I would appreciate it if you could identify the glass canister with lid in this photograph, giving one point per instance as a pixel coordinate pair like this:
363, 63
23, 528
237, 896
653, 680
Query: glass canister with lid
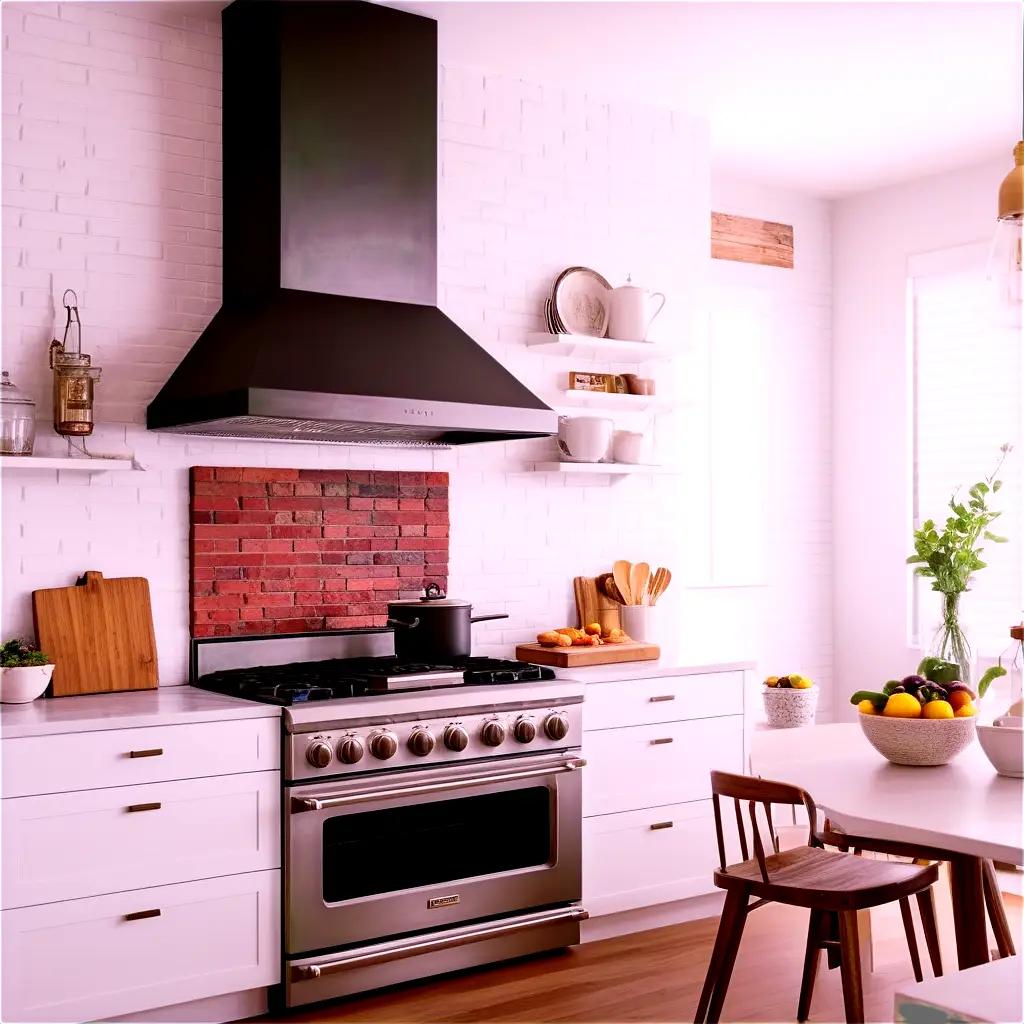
17, 418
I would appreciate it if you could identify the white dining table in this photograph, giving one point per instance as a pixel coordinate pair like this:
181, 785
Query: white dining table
962, 812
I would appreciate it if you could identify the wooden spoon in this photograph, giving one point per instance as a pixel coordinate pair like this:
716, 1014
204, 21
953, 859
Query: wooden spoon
621, 573
639, 576
662, 578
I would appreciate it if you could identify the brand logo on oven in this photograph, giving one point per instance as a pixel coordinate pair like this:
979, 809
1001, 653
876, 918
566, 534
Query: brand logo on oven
443, 901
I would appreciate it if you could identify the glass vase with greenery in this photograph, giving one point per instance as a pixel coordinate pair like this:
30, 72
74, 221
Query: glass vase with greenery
950, 559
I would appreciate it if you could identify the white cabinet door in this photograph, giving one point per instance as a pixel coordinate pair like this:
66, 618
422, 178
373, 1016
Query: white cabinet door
640, 858
69, 845
653, 765
127, 757
89, 959
665, 699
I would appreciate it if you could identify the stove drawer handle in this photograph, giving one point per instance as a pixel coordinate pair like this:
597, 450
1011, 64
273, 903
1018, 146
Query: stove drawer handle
387, 952
313, 803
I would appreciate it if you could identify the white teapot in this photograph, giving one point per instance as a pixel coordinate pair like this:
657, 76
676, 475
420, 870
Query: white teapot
630, 311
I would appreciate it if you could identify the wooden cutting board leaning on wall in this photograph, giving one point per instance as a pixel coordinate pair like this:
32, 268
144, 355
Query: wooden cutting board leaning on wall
98, 634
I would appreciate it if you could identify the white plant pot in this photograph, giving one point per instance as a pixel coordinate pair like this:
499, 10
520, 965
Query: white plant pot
24, 684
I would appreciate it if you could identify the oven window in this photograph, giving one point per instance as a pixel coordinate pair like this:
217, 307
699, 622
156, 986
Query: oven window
430, 843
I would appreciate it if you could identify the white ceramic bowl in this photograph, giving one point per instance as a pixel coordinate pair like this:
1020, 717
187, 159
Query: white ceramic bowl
787, 708
20, 685
918, 741
1004, 747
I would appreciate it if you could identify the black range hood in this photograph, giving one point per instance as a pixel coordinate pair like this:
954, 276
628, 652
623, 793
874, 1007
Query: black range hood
329, 329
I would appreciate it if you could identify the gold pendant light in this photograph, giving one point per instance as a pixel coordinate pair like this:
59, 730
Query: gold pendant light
1006, 256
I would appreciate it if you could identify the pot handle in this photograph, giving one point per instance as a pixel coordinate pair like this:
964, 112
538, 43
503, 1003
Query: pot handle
396, 623
485, 618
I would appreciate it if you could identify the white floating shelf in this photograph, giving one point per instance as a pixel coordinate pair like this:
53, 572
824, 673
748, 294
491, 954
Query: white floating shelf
9, 462
613, 401
586, 347
605, 468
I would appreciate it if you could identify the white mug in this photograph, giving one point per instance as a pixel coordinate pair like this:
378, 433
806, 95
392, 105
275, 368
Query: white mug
584, 438
628, 447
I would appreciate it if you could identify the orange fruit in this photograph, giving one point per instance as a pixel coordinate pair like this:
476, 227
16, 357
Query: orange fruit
593, 628
965, 710
958, 698
865, 707
902, 705
937, 709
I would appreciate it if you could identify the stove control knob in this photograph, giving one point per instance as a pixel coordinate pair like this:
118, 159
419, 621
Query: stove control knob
493, 733
421, 741
383, 744
525, 730
455, 737
319, 754
556, 725
350, 750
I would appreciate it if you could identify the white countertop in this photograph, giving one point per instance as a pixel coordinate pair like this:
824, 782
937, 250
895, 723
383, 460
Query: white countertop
990, 992
166, 705
646, 670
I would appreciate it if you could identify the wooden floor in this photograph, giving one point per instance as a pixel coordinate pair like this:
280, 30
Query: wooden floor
656, 976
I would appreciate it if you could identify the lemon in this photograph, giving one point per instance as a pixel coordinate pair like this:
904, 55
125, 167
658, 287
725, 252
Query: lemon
937, 709
865, 707
800, 682
964, 711
772, 681
902, 705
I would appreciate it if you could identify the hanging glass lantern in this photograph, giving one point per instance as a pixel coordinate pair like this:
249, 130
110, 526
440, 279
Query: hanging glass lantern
73, 377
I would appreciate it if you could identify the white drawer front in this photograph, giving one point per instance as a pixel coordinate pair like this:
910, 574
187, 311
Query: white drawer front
651, 765
69, 845
667, 699
629, 864
82, 960
90, 760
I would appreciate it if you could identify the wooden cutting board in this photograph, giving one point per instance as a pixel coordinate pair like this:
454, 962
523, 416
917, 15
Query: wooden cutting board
580, 657
594, 606
99, 635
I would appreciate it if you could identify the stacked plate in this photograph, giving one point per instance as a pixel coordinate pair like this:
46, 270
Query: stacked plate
579, 303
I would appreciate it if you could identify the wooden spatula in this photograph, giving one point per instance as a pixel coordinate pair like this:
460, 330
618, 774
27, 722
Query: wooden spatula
639, 576
621, 573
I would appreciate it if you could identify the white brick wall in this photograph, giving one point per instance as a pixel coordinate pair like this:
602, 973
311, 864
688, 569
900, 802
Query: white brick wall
111, 186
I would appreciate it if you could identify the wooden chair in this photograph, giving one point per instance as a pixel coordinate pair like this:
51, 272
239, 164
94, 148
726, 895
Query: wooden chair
832, 836
833, 885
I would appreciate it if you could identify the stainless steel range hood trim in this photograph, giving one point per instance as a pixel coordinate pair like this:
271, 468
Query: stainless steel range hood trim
309, 416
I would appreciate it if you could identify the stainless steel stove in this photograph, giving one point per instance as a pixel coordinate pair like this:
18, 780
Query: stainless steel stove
432, 814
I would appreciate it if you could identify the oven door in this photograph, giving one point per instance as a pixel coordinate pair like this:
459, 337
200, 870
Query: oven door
408, 850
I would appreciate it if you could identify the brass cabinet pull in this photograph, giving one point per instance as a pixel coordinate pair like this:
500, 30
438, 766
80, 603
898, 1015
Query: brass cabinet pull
660, 740
155, 752
144, 807
661, 824
663, 697
141, 915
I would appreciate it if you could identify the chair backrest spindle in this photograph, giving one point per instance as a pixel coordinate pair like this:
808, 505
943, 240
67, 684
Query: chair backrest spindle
757, 791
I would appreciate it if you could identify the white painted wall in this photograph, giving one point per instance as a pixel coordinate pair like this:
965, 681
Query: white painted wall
112, 183
874, 234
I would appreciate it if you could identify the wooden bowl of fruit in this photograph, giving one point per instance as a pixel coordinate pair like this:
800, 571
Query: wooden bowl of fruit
923, 719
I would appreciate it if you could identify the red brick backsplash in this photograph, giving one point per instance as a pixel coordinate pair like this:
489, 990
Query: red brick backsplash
287, 550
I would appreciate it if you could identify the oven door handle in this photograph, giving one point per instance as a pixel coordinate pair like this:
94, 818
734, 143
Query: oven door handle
314, 803
401, 948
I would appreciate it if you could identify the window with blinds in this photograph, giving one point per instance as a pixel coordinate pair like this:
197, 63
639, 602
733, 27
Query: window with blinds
968, 401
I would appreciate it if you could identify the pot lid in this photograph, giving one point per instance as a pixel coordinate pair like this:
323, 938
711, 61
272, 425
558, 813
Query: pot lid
434, 597
11, 394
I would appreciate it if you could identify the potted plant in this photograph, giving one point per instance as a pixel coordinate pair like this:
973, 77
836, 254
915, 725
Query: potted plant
24, 672
951, 558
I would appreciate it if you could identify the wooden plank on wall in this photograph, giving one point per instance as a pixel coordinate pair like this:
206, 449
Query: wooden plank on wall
747, 240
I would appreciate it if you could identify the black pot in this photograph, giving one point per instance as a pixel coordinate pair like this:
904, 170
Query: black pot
433, 629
